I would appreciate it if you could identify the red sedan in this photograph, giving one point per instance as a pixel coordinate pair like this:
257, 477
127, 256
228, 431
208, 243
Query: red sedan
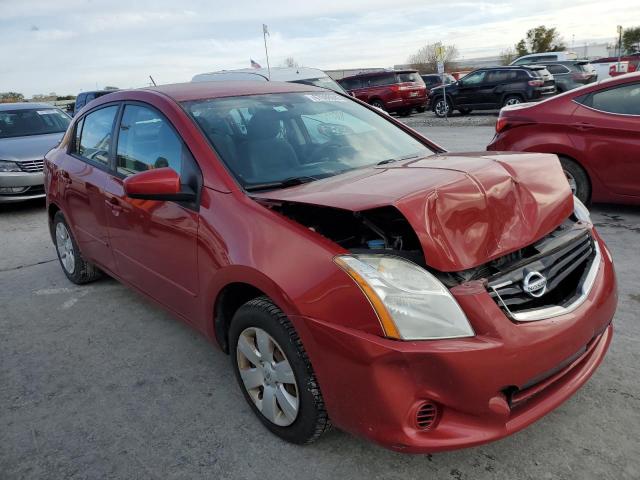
594, 130
356, 273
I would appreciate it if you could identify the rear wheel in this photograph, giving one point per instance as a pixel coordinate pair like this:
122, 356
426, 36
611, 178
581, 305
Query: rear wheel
275, 374
378, 104
512, 100
442, 107
577, 178
76, 268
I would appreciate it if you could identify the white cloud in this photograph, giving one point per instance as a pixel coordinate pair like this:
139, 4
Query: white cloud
80, 44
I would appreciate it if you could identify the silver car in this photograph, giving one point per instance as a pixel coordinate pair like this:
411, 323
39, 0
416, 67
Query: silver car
27, 132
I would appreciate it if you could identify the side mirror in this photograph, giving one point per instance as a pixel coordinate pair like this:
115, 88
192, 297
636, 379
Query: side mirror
157, 184
460, 83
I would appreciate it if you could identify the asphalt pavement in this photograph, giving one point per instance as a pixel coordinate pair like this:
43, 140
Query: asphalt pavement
97, 382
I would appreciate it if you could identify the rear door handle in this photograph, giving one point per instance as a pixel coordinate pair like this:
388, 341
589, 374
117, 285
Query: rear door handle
583, 126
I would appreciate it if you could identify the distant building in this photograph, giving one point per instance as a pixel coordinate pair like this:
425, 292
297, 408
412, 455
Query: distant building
337, 74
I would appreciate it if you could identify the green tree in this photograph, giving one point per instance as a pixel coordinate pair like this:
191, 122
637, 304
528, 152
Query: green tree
540, 39
631, 39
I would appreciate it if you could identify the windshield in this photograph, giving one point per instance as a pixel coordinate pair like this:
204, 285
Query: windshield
324, 82
278, 140
37, 121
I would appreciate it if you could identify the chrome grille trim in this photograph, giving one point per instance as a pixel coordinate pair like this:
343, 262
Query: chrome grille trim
549, 312
31, 166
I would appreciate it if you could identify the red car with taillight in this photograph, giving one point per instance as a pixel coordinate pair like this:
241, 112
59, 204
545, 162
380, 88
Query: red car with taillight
356, 273
398, 91
594, 130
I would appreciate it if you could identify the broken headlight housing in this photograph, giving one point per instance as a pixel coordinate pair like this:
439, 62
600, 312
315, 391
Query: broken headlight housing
410, 302
580, 211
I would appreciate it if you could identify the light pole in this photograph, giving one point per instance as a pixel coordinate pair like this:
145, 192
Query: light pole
265, 32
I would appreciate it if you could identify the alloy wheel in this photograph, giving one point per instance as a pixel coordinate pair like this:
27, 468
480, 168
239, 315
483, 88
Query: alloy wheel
441, 108
513, 101
572, 182
267, 376
64, 245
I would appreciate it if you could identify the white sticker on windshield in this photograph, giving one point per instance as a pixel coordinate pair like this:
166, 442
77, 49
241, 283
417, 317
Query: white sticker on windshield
46, 112
280, 108
325, 97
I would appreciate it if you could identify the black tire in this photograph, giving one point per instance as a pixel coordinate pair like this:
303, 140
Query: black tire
440, 106
464, 111
421, 109
405, 112
82, 271
575, 172
312, 419
379, 104
512, 100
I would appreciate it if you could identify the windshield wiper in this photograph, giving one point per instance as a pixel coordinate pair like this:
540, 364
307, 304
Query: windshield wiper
287, 182
391, 160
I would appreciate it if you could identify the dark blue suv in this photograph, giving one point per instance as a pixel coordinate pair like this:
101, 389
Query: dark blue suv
492, 88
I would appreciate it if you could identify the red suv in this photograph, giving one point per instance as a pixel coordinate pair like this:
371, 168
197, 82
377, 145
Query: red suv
398, 91
356, 274
595, 130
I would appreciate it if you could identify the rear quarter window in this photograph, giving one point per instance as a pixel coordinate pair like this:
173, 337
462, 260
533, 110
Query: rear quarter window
382, 80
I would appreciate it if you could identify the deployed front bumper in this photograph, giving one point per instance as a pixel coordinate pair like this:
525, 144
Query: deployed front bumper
486, 387
31, 186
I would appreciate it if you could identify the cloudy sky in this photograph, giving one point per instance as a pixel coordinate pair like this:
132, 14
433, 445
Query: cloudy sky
67, 46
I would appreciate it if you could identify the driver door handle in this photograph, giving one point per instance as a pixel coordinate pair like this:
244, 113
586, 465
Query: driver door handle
583, 126
114, 205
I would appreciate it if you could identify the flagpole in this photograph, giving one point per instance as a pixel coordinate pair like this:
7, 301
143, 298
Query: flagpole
265, 32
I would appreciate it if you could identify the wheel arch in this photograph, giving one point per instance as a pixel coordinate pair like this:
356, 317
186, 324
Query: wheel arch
51, 212
240, 285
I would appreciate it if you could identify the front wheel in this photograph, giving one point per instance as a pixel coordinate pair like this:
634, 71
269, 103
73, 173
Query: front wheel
275, 374
577, 178
442, 108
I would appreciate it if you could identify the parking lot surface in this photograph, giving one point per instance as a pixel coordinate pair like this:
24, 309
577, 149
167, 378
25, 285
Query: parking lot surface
97, 382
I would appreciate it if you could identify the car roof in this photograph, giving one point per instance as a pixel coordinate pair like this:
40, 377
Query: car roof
25, 106
278, 74
181, 92
374, 74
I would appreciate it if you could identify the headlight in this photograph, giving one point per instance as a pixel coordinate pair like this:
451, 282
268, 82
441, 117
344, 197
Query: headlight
410, 302
580, 211
6, 166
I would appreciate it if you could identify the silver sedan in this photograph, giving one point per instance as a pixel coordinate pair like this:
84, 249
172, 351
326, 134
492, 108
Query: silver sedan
27, 132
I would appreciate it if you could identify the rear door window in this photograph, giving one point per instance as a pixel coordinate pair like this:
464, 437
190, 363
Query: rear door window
95, 137
146, 141
623, 100
351, 83
497, 76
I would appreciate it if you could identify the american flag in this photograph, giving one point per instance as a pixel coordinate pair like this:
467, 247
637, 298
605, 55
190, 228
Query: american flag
255, 64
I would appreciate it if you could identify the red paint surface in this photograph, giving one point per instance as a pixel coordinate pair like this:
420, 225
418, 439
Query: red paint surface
606, 145
466, 209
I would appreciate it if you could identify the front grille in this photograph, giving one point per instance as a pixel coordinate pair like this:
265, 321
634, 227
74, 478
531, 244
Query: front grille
563, 258
31, 166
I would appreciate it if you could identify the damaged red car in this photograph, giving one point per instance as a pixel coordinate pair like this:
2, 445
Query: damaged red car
357, 274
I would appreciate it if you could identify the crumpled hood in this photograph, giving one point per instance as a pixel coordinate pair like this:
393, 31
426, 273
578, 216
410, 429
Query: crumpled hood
30, 147
466, 209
